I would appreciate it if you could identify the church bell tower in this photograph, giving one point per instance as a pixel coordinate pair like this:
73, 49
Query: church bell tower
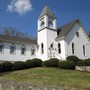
47, 32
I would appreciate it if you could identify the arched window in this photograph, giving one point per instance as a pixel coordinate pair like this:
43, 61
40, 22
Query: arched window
42, 48
50, 24
77, 34
1, 46
59, 48
51, 45
42, 24
12, 49
32, 50
84, 51
73, 48
23, 50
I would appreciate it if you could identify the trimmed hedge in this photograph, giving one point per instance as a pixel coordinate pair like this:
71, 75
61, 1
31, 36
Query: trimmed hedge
1, 67
36, 62
87, 62
29, 63
6, 66
81, 63
66, 65
45, 63
73, 58
53, 62
19, 65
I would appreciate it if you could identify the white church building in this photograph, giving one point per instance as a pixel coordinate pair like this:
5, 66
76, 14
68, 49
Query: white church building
52, 42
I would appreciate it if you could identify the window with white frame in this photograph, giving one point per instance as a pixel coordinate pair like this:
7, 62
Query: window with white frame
42, 48
42, 24
73, 46
51, 46
32, 50
84, 50
59, 48
23, 50
1, 47
12, 49
50, 24
77, 34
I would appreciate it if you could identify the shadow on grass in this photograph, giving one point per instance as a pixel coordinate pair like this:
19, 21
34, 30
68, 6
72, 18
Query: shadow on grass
5, 73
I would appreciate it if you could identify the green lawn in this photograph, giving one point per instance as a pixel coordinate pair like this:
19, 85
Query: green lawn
50, 76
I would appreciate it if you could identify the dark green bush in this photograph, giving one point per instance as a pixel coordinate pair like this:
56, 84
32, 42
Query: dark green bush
73, 58
66, 65
87, 62
37, 62
53, 62
7, 66
19, 65
45, 63
30, 63
81, 63
1, 67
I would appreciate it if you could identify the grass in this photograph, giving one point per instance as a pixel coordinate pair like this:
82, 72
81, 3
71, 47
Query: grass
50, 76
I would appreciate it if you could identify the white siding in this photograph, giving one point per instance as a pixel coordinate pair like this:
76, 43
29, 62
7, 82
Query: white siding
6, 56
78, 41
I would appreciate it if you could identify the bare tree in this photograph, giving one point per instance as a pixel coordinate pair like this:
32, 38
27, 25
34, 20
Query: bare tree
9, 31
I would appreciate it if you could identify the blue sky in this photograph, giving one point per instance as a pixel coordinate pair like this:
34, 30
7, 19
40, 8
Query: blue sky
23, 14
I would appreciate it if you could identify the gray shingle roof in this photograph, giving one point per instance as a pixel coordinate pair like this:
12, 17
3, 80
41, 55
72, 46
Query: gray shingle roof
47, 11
17, 39
63, 30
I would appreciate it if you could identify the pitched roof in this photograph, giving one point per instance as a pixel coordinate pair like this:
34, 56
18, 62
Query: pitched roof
47, 11
17, 39
63, 30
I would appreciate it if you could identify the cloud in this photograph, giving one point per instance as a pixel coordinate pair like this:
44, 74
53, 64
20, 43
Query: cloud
19, 6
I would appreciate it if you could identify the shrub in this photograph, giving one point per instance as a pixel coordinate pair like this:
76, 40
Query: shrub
7, 66
66, 65
29, 63
73, 58
87, 62
45, 63
36, 62
19, 65
53, 62
1, 67
80, 63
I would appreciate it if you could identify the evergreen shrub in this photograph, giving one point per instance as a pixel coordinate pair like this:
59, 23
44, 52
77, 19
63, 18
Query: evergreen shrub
30, 63
73, 58
6, 66
81, 63
36, 62
19, 65
53, 62
66, 65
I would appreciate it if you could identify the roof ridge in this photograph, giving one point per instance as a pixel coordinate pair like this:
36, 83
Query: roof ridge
74, 21
66, 28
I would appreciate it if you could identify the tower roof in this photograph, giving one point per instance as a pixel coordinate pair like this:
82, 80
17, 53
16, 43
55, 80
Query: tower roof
47, 11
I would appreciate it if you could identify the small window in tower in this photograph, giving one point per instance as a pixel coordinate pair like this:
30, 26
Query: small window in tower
50, 23
77, 34
42, 24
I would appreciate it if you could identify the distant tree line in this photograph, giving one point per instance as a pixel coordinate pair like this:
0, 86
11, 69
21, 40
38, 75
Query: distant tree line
9, 31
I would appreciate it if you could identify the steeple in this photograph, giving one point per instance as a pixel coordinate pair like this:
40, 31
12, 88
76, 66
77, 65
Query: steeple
47, 11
